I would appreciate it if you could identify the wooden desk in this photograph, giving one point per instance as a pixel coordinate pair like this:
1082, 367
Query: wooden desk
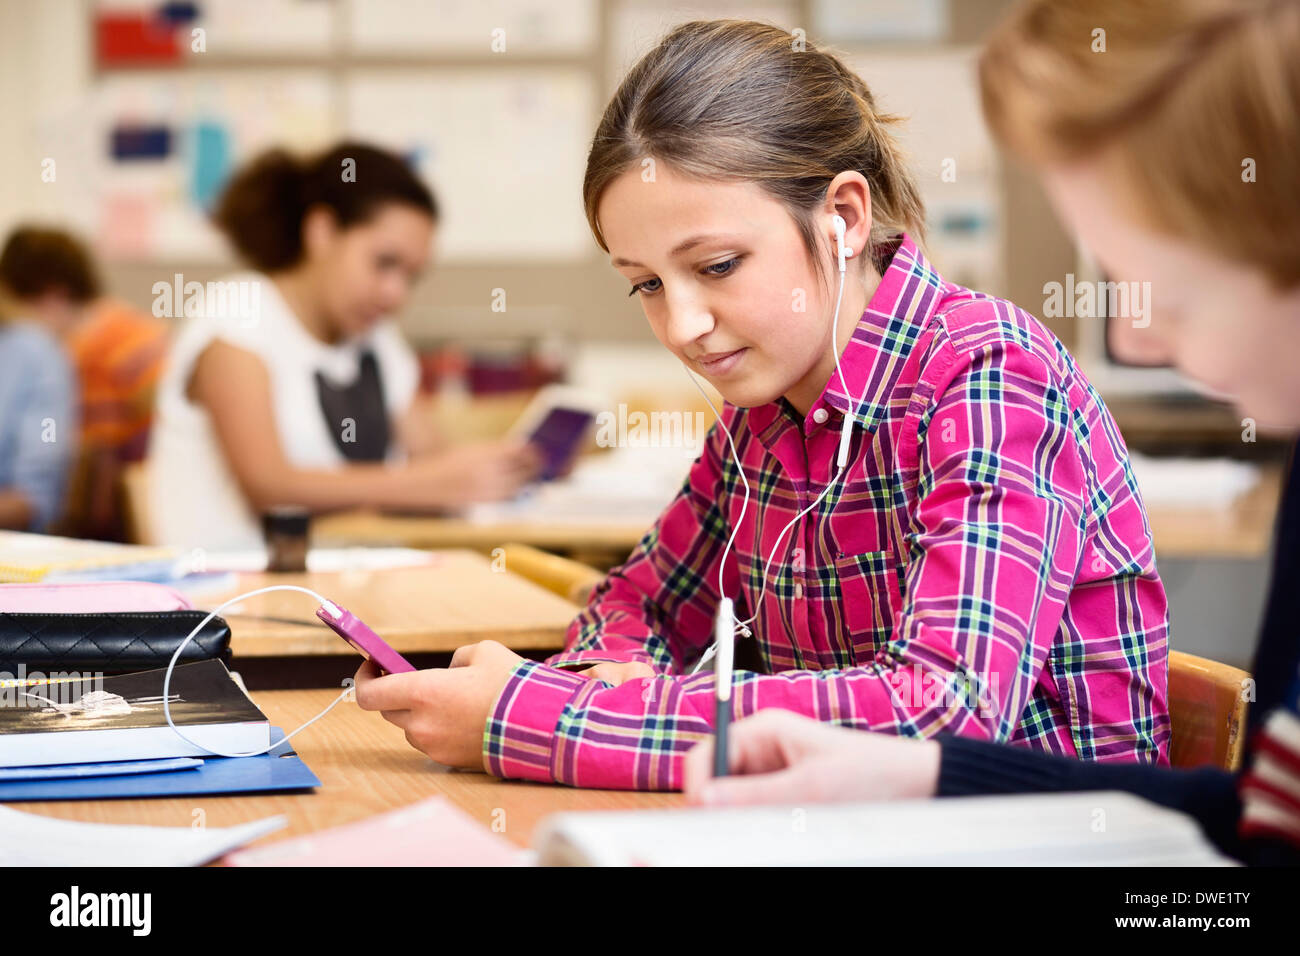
415, 531
457, 599
1149, 422
366, 767
1242, 530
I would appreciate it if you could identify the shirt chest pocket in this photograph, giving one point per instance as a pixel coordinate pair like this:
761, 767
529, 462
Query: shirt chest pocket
870, 587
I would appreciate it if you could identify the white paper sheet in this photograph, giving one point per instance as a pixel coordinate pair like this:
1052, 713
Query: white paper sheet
29, 839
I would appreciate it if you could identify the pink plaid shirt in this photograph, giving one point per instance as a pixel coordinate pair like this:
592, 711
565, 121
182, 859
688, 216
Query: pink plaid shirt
985, 566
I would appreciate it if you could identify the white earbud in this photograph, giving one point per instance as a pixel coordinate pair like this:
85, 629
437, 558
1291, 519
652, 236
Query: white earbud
841, 250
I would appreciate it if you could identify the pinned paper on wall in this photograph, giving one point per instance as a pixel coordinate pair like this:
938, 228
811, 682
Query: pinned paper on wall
139, 141
153, 152
135, 37
128, 225
211, 163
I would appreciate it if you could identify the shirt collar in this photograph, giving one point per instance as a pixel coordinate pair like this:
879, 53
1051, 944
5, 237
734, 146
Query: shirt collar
907, 296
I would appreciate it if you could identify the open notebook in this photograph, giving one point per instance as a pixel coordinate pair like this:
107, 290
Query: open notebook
1103, 828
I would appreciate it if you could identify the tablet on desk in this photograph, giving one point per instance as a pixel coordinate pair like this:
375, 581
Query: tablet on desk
558, 421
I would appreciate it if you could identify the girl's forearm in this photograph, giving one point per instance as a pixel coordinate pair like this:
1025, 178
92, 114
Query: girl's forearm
361, 485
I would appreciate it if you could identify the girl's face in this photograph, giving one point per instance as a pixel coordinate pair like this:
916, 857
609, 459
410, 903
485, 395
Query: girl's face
1219, 321
726, 282
366, 271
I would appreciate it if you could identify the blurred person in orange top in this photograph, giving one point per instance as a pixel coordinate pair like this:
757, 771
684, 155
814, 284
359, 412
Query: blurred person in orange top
117, 353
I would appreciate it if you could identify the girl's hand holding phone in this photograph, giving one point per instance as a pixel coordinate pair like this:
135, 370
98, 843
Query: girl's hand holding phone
442, 710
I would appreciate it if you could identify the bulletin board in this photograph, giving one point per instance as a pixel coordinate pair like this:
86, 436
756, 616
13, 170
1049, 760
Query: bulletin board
161, 146
492, 102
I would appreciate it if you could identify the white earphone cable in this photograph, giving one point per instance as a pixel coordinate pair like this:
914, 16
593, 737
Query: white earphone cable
740, 470
742, 627
185, 643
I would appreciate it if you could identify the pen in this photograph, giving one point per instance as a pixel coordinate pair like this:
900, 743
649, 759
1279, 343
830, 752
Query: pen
724, 637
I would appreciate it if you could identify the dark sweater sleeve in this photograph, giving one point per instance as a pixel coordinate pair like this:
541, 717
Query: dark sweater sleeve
971, 767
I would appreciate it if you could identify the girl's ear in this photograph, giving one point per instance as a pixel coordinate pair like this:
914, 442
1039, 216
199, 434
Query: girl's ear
849, 197
319, 229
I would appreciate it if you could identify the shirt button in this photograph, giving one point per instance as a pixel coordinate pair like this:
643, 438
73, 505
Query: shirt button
798, 591
820, 415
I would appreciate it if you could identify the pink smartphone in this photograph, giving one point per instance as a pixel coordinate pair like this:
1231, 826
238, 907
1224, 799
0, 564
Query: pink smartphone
365, 641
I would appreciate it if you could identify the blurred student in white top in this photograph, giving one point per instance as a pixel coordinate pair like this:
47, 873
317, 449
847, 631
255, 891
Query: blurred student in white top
288, 385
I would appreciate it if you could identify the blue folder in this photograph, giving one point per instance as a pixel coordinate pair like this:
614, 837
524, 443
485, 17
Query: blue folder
281, 769
110, 769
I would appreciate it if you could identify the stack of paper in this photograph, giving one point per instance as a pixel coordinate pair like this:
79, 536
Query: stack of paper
626, 485
38, 557
1192, 482
323, 559
1103, 828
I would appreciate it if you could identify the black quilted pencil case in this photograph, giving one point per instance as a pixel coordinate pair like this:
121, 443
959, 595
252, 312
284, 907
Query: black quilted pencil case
117, 642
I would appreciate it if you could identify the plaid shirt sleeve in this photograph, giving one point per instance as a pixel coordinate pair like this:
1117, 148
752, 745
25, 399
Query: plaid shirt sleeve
657, 607
994, 543
992, 546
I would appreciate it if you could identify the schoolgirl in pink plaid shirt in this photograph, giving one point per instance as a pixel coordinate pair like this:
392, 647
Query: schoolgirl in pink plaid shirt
981, 565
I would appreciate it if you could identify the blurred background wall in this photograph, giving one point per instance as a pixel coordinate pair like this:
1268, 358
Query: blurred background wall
501, 136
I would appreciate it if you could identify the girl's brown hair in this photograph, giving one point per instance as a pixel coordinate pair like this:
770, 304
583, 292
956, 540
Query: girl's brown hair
1195, 103
735, 100
262, 209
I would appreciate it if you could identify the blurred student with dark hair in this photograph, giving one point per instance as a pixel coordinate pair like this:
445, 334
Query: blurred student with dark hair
117, 353
292, 387
45, 283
